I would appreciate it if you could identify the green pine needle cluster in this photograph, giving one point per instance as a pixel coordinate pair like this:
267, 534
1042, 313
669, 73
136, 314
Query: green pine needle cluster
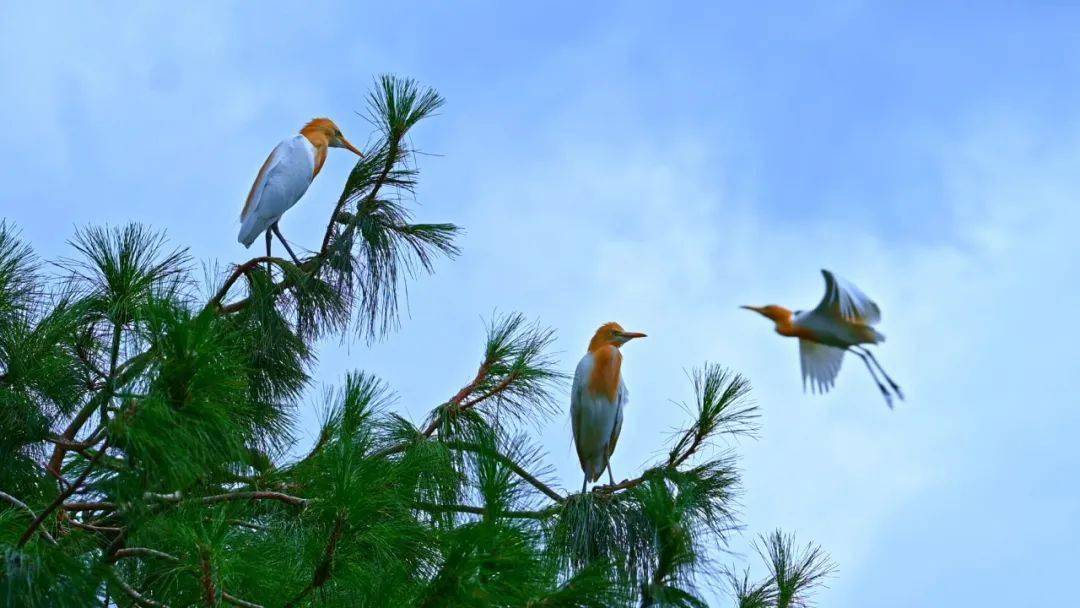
148, 452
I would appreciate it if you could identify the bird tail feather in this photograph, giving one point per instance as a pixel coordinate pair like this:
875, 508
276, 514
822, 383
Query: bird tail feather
250, 230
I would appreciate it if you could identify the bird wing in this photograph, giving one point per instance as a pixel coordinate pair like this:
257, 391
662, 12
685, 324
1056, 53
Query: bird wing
577, 410
283, 179
820, 363
623, 399
844, 300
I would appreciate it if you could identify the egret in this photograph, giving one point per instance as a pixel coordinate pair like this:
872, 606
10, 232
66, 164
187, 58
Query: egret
597, 400
285, 177
841, 322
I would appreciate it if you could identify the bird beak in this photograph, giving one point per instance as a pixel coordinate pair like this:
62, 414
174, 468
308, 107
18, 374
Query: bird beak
756, 309
630, 335
344, 143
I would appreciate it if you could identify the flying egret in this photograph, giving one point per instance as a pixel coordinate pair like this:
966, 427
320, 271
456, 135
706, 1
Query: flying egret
285, 177
841, 322
597, 400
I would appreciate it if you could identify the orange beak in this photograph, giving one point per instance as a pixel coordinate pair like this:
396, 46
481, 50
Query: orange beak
345, 144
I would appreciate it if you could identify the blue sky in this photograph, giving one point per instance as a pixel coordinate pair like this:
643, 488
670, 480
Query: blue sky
659, 167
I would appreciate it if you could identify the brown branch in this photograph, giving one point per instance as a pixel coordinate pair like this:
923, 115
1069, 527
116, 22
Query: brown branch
509, 462
239, 305
502, 386
121, 371
90, 506
61, 497
435, 508
68, 444
461, 395
207, 579
326, 566
93, 527
72, 430
625, 484
235, 601
22, 505
239, 271
135, 595
142, 551
257, 495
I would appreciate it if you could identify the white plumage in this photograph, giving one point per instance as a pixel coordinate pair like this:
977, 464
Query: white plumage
281, 182
597, 399
596, 420
844, 301
842, 321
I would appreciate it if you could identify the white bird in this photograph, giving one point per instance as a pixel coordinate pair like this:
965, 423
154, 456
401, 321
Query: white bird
597, 400
285, 177
841, 322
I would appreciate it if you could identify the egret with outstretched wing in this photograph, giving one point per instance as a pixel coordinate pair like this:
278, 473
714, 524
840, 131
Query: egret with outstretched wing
285, 177
597, 399
840, 323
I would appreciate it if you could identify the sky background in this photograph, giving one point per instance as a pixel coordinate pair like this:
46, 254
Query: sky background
658, 166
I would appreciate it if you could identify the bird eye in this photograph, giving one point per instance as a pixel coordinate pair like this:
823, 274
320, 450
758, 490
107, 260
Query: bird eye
337, 133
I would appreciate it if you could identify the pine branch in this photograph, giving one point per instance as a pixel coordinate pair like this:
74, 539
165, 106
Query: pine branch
125, 372
795, 572
61, 497
93, 527
256, 495
235, 601
22, 505
141, 552
440, 508
135, 595
721, 409
90, 506
750, 594
239, 271
516, 374
513, 466
207, 579
325, 567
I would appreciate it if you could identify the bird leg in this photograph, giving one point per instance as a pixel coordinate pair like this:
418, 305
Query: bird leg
269, 268
895, 387
583, 482
274, 227
884, 391
610, 477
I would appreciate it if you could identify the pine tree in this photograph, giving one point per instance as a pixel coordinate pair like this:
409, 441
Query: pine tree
148, 453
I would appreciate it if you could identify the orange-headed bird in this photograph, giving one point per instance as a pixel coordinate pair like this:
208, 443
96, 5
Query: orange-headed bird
597, 400
285, 177
841, 322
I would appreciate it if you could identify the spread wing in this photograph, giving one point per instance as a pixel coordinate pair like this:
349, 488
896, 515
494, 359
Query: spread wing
820, 364
843, 300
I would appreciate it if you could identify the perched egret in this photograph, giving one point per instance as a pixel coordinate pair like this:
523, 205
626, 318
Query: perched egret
597, 400
285, 177
841, 322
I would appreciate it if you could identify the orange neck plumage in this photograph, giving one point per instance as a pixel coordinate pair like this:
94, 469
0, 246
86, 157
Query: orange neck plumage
785, 326
607, 366
321, 141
